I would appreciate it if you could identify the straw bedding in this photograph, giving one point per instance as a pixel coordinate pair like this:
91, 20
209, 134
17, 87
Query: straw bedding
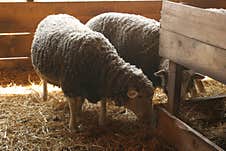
213, 130
28, 123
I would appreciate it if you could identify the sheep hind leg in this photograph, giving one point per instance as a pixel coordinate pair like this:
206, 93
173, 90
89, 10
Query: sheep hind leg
102, 113
45, 91
75, 106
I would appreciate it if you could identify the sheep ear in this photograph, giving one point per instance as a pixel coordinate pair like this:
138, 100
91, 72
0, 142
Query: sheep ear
132, 94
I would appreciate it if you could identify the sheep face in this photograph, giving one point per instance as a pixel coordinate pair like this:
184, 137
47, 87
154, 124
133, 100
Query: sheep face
187, 84
140, 103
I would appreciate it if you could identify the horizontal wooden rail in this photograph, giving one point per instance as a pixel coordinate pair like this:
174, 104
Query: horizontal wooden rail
19, 63
15, 44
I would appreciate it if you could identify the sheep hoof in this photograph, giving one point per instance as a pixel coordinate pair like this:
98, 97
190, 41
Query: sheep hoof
76, 128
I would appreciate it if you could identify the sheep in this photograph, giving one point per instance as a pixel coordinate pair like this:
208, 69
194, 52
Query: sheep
85, 64
136, 38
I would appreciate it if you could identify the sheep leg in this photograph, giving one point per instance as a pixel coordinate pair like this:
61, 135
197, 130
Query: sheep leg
102, 113
45, 90
75, 106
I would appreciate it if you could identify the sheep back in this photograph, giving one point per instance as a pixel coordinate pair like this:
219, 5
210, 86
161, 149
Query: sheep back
83, 62
135, 37
66, 53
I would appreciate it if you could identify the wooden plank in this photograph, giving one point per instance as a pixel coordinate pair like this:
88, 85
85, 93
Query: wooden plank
205, 99
24, 17
15, 45
204, 3
209, 109
20, 63
176, 132
200, 24
193, 54
174, 87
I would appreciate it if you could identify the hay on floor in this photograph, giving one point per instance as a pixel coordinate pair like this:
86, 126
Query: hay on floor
29, 123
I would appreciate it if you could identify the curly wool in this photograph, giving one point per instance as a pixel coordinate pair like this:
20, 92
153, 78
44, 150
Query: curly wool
135, 37
83, 62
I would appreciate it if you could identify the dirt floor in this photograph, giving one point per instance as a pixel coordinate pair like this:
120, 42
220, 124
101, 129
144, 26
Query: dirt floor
28, 123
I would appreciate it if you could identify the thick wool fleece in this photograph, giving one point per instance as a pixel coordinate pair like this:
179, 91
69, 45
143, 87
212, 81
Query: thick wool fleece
83, 62
136, 38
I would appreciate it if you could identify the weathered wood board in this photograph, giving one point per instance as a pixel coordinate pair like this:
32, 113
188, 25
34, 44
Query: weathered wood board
174, 87
195, 38
201, 57
180, 134
196, 23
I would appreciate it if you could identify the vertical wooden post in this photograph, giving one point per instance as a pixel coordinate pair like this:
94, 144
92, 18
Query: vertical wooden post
45, 91
174, 87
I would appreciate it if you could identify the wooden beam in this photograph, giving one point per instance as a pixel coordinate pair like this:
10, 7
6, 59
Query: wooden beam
203, 25
24, 17
209, 109
178, 133
174, 87
193, 54
15, 63
15, 44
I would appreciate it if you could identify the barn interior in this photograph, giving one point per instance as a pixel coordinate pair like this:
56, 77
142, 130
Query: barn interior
27, 122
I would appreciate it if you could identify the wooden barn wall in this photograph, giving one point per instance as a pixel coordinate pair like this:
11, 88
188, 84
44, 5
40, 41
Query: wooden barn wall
19, 20
24, 17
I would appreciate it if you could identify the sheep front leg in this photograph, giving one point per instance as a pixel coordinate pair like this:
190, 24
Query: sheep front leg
102, 113
75, 106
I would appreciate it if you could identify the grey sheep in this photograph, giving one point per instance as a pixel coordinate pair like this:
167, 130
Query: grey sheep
136, 38
86, 65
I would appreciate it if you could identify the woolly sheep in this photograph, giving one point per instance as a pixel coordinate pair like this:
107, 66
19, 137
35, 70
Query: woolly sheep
86, 65
136, 38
